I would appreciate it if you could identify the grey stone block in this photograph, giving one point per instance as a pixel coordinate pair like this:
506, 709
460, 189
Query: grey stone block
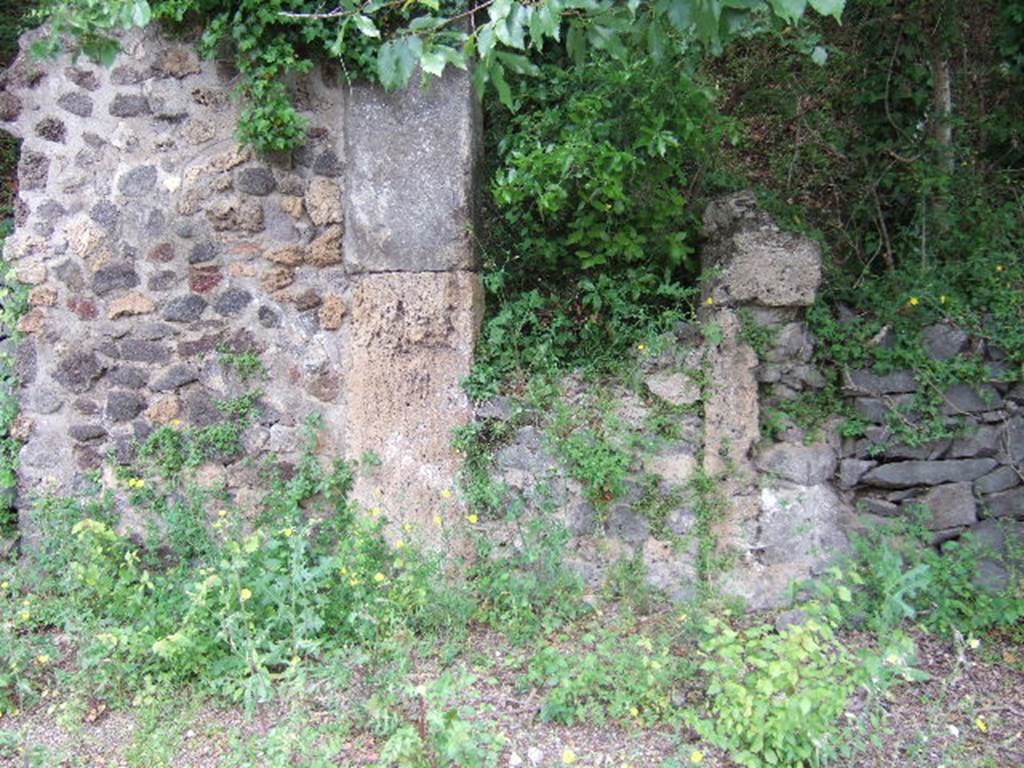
949, 506
871, 505
76, 103
944, 341
1004, 504
114, 277
1000, 543
852, 470
232, 301
1001, 479
138, 182
129, 105
177, 376
184, 309
865, 381
411, 164
907, 474
971, 398
627, 525
983, 441
755, 262
78, 371
123, 405
803, 464
255, 181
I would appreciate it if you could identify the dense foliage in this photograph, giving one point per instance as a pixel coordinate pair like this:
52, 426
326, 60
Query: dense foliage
592, 230
390, 41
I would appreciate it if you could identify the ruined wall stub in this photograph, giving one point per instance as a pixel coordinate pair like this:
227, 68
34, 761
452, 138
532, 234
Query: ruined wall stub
151, 240
783, 518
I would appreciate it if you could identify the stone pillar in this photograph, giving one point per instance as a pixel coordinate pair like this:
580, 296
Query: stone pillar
418, 299
778, 524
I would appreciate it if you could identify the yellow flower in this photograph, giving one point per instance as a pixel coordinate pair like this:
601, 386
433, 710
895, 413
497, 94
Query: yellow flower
437, 520
696, 757
379, 577
407, 527
710, 301
42, 659
245, 594
175, 422
288, 533
999, 267
634, 712
474, 519
973, 643
914, 301
5, 584
375, 511
399, 544
222, 513
641, 347
25, 615
943, 299
446, 493
568, 756
982, 724
296, 661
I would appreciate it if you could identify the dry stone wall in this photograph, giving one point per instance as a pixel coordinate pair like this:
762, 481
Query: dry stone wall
154, 243
778, 503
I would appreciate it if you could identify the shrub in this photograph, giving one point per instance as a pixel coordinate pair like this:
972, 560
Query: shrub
594, 231
775, 698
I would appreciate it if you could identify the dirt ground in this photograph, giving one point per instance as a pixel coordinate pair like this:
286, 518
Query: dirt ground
969, 713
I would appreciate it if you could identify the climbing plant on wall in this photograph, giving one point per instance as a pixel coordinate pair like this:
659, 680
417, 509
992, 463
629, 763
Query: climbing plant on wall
390, 40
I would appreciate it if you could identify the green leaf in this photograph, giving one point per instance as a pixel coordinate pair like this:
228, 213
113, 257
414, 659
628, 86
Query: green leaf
486, 40
517, 64
497, 76
576, 44
141, 13
433, 63
833, 8
790, 10
680, 13
365, 25
397, 60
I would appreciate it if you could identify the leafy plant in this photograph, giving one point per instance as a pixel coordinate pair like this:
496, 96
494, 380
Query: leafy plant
775, 698
440, 734
604, 677
895, 576
526, 589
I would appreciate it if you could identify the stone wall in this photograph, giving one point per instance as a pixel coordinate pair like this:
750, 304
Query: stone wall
972, 482
156, 248
783, 501
153, 243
